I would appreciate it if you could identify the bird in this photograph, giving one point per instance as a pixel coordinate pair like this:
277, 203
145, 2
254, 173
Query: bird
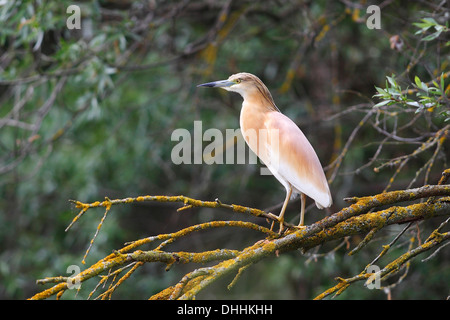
279, 144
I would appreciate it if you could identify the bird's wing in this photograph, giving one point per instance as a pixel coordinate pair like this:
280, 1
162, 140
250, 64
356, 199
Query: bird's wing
293, 158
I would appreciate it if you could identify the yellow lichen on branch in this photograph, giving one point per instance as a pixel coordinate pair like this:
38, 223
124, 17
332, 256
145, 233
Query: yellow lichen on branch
188, 203
360, 217
392, 267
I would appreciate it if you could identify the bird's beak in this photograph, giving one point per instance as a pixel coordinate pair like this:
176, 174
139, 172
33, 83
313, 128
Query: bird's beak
217, 84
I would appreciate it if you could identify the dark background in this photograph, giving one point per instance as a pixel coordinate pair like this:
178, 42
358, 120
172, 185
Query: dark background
89, 113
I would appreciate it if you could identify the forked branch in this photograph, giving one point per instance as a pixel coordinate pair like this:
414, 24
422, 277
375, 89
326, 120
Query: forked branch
361, 217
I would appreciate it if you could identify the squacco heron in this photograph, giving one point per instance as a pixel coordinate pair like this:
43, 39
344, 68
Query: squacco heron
278, 142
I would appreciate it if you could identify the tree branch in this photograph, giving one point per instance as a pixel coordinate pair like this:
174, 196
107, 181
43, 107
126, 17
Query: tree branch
355, 219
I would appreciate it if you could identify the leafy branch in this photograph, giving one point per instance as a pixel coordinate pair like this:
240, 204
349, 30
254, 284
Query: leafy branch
428, 24
429, 96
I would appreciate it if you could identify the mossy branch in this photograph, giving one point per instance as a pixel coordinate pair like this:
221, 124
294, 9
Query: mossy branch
358, 218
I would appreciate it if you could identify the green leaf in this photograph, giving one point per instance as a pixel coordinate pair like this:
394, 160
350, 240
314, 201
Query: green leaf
382, 103
430, 21
392, 81
381, 92
422, 26
435, 91
418, 82
432, 36
413, 104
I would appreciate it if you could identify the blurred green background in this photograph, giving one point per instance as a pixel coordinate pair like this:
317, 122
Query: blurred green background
88, 113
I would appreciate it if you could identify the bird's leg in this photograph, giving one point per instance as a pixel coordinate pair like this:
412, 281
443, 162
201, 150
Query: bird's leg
283, 209
302, 212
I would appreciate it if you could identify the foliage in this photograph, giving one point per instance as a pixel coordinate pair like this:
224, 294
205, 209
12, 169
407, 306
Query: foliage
430, 23
88, 114
428, 97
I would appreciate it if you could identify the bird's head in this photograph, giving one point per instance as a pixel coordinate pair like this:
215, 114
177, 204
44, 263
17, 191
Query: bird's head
245, 84
241, 83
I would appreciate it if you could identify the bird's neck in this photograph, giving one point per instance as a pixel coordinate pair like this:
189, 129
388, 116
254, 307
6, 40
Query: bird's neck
259, 102
253, 113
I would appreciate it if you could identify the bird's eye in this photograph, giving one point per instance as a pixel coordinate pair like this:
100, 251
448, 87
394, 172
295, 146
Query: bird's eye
238, 80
